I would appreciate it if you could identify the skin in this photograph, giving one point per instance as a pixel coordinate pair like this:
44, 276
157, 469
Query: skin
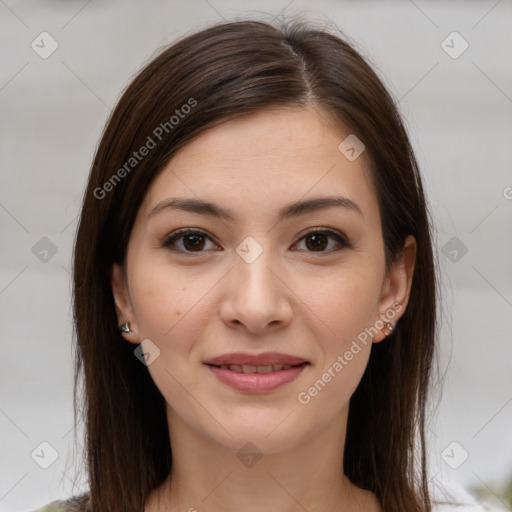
294, 298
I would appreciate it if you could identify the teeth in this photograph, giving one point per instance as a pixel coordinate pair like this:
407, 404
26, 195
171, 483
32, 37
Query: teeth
255, 369
264, 369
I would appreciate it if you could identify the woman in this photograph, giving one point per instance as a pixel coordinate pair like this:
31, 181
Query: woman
254, 285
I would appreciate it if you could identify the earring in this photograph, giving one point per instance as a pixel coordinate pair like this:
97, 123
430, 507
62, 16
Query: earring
126, 328
389, 326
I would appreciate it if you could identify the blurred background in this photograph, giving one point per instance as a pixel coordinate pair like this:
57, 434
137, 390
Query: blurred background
63, 66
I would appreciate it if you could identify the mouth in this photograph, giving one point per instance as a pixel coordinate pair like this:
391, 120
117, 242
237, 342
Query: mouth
248, 363
252, 369
257, 378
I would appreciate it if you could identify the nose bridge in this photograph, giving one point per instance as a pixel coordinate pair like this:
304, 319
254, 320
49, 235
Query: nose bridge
252, 267
256, 296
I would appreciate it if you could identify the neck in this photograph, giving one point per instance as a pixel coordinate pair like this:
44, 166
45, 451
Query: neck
207, 475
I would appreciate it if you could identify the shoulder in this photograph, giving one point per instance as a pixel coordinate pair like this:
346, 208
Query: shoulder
460, 507
452, 497
75, 504
54, 506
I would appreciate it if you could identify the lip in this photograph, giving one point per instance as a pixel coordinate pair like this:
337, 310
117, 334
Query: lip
257, 382
267, 358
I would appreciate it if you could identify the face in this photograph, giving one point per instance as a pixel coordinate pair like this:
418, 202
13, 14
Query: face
262, 277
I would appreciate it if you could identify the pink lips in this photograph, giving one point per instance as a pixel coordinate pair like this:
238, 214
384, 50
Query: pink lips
256, 382
255, 359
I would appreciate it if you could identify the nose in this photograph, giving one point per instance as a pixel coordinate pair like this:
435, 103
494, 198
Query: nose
256, 296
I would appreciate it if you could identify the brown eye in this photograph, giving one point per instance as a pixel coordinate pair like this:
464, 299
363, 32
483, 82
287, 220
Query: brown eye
318, 241
191, 241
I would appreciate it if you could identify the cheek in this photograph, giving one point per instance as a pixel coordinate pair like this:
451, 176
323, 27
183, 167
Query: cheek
165, 302
343, 304
346, 308
156, 302
170, 311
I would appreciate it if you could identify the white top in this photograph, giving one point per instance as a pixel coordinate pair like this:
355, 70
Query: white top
459, 500
450, 497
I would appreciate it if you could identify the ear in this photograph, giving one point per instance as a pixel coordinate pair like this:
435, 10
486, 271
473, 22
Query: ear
396, 288
123, 303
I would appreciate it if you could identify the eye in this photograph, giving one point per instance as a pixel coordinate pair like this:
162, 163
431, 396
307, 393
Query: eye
318, 240
192, 241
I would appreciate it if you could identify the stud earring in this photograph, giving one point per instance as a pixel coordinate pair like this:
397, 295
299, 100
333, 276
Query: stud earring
390, 327
126, 328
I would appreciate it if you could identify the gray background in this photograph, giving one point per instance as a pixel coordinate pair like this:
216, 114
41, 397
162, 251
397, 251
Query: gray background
458, 113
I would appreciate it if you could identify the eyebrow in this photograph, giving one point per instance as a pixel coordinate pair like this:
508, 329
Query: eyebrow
286, 212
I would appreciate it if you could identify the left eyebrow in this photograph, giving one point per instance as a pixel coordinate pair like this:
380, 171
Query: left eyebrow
286, 212
315, 204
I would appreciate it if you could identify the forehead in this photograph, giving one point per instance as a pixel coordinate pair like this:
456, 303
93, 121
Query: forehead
264, 158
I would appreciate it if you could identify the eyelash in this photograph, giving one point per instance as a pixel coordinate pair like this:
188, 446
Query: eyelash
170, 240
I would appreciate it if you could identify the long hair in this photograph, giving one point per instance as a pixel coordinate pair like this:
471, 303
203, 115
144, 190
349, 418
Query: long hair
203, 79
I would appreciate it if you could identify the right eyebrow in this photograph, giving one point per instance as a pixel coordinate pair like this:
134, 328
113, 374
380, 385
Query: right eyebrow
291, 210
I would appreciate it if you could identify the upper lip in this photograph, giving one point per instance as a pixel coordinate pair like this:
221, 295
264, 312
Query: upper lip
265, 359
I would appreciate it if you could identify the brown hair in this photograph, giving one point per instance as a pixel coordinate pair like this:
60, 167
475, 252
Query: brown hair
222, 72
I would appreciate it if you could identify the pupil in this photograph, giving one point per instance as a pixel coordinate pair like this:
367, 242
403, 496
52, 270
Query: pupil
196, 242
319, 241
313, 242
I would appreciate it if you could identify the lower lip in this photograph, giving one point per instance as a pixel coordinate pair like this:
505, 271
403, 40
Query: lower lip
257, 382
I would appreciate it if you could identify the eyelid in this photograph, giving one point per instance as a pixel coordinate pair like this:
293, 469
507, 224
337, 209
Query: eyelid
175, 235
333, 233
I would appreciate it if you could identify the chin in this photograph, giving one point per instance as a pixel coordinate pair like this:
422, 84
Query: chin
275, 439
